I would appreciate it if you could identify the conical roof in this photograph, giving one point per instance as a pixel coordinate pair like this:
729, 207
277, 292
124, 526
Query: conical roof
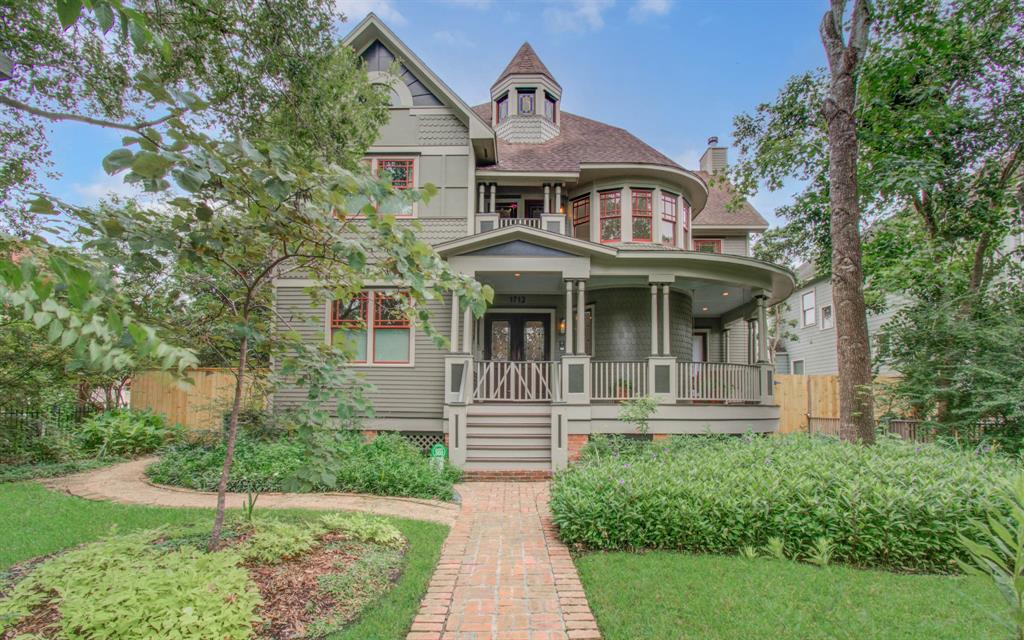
526, 62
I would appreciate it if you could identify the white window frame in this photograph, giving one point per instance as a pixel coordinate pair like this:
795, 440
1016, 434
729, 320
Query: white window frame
370, 364
792, 367
831, 319
804, 308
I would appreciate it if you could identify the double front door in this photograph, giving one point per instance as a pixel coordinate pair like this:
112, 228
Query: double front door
517, 337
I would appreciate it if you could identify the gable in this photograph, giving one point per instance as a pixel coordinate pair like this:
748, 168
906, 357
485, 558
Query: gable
379, 58
520, 248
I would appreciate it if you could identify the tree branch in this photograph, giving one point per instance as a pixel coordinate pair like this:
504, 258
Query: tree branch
56, 116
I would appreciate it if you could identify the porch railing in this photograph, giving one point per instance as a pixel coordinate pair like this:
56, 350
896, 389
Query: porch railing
719, 382
517, 222
515, 381
618, 380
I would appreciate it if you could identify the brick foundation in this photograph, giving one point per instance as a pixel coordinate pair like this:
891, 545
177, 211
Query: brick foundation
576, 442
659, 436
369, 434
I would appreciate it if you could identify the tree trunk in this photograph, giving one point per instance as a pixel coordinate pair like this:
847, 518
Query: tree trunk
856, 403
229, 453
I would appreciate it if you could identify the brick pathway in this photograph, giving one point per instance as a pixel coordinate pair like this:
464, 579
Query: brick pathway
503, 574
126, 483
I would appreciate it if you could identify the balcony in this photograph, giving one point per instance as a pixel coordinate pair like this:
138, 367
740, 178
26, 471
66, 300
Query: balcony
551, 222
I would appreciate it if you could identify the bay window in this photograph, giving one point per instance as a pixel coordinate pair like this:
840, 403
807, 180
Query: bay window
669, 218
374, 325
643, 213
581, 218
611, 216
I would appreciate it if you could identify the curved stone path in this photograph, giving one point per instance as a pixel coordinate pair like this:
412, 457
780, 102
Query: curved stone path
126, 483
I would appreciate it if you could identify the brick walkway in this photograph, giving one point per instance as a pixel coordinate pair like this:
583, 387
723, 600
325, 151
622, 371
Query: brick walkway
503, 573
126, 483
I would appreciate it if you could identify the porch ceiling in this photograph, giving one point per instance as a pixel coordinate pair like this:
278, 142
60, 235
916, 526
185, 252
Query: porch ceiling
539, 282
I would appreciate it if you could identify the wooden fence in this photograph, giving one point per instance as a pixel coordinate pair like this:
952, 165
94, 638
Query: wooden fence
200, 405
803, 397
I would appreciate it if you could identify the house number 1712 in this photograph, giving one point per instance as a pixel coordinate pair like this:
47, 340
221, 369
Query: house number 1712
517, 299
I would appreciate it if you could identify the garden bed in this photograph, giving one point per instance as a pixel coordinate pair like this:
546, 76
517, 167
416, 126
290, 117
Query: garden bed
275, 578
387, 466
894, 505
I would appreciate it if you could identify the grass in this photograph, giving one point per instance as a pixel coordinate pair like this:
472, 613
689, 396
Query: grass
675, 596
35, 521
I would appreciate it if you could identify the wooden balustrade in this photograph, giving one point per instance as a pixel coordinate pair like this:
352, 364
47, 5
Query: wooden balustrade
515, 381
719, 382
618, 380
519, 222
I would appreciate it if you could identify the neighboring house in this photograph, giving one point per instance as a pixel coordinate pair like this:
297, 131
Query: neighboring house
810, 321
617, 274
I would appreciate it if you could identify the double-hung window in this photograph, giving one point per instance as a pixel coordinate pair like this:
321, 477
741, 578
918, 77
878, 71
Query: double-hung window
643, 214
581, 218
669, 218
501, 109
611, 216
827, 321
374, 325
401, 172
807, 308
707, 245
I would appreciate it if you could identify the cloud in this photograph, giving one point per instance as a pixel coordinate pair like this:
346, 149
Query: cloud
577, 15
643, 9
356, 10
103, 186
454, 38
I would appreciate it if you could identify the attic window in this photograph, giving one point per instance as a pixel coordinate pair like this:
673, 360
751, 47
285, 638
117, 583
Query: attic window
527, 101
549, 106
501, 109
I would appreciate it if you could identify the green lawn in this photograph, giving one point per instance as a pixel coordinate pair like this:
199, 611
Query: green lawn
670, 596
35, 521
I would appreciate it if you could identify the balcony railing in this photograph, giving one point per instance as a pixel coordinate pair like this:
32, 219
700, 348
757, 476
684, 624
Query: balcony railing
515, 381
519, 222
719, 382
618, 380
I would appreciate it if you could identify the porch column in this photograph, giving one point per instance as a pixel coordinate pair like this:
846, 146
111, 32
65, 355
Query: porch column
664, 320
454, 337
762, 329
568, 318
482, 199
581, 315
467, 331
547, 198
654, 319
494, 198
558, 199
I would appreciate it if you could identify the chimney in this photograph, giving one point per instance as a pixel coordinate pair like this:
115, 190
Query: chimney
715, 157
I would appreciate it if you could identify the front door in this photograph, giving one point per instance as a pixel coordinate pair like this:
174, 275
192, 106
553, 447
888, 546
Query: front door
517, 337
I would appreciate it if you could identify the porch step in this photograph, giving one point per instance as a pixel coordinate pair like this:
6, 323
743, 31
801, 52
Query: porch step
505, 452
506, 475
484, 463
477, 440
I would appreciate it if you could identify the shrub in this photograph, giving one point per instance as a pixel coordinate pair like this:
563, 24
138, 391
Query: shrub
363, 528
387, 466
126, 432
893, 505
274, 541
124, 587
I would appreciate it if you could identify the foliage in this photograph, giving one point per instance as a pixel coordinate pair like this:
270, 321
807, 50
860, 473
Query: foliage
362, 581
996, 548
963, 375
273, 541
126, 432
18, 472
125, 587
637, 412
895, 505
663, 594
363, 528
614, 445
387, 466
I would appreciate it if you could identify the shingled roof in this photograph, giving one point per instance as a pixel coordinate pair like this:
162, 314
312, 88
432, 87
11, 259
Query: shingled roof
715, 212
527, 62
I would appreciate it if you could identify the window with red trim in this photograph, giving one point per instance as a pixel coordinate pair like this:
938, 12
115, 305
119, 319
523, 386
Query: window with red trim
706, 245
391, 329
400, 172
501, 109
669, 219
349, 325
581, 218
611, 216
643, 215
685, 206
374, 326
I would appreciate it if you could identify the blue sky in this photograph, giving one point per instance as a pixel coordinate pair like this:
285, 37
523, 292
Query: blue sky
671, 72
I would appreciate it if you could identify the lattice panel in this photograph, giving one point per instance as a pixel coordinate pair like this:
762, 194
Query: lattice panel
423, 439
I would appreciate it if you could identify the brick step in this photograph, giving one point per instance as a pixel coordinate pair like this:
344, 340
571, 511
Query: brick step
506, 475
511, 463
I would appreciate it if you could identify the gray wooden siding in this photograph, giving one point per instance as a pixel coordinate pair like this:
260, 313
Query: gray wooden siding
817, 346
379, 58
402, 393
738, 341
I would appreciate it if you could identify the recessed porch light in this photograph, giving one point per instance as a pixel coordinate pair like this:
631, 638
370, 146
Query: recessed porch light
703, 308
725, 293
517, 274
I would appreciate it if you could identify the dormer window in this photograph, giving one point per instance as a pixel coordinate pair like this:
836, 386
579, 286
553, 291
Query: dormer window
527, 101
501, 109
549, 106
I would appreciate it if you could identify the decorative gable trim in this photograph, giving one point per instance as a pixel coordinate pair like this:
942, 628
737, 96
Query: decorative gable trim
520, 248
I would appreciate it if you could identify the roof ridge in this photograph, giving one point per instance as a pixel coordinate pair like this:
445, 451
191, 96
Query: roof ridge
526, 61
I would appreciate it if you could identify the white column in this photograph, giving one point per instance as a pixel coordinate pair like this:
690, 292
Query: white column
494, 198
581, 316
654, 319
482, 199
626, 213
568, 318
595, 217
664, 320
547, 198
558, 199
454, 337
467, 331
762, 330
